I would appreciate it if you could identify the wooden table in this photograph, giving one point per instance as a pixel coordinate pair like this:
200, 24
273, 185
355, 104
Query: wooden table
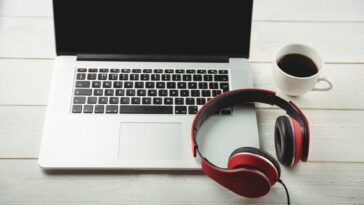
333, 175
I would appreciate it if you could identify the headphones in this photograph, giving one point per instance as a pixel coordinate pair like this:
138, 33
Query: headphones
251, 172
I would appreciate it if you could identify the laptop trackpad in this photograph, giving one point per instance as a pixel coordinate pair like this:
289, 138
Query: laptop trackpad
150, 141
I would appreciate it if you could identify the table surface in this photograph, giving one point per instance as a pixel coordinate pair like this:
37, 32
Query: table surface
333, 175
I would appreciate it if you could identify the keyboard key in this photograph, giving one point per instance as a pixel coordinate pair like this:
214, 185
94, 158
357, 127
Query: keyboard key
145, 109
149, 84
83, 91
173, 92
118, 84
92, 70
166, 77
171, 85
162, 92
124, 70
136, 71
135, 100
190, 101
179, 101
152, 92
91, 100
99, 108
197, 77
124, 100
180, 110
180, 71
98, 92
81, 69
181, 85
176, 77
156, 77
128, 85
91, 76
141, 92
213, 86
79, 100
104, 70
81, 76
147, 100
192, 85
88, 109
144, 77
184, 93
191, 71
212, 71
82, 84
106, 84
112, 109
160, 85
168, 101
202, 85
157, 101
102, 76
139, 84
113, 76
158, 71
207, 77
223, 72
206, 93
103, 100
119, 92
221, 78
216, 92
201, 101
134, 77
187, 77
114, 100
96, 84
114, 70
168, 71
195, 93
109, 92
192, 110
147, 70
77, 109
201, 71
130, 92
123, 77
224, 87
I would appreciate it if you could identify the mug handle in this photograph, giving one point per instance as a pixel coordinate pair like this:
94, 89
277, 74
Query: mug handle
329, 82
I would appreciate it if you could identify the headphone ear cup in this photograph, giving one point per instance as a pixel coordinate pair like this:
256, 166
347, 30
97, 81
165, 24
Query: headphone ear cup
284, 140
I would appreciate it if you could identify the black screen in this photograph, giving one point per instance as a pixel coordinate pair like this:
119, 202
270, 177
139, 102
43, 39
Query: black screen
163, 27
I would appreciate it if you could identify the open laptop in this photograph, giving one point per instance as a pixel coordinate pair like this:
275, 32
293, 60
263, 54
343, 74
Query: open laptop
130, 75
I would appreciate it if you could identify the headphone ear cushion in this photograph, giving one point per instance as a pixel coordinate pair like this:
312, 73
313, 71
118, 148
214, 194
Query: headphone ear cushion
284, 140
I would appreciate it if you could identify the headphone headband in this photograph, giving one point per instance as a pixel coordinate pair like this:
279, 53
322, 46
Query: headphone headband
234, 97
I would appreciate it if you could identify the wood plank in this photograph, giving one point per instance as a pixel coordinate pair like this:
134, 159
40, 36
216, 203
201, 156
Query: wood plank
23, 182
16, 88
336, 135
309, 10
264, 10
31, 8
16, 85
24, 37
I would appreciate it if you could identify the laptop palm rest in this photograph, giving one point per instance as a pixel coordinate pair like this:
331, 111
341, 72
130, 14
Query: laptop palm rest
150, 141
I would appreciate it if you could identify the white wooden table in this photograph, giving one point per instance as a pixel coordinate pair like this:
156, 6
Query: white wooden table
333, 175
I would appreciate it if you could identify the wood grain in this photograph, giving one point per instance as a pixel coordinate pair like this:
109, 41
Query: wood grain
23, 182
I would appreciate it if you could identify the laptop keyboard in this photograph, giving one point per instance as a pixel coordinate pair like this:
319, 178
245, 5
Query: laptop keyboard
146, 91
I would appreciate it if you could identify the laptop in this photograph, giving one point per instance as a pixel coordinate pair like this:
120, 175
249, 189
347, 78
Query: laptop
129, 76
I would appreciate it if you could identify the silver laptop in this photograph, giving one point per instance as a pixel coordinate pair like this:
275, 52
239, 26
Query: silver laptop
130, 75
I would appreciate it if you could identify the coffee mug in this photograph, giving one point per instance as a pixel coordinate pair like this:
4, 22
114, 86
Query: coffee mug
298, 82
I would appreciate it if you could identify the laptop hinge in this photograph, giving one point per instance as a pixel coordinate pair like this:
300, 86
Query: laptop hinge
152, 58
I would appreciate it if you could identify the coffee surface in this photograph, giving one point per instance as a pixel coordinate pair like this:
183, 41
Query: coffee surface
297, 65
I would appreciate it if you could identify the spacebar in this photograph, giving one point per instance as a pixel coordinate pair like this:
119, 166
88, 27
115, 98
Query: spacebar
136, 109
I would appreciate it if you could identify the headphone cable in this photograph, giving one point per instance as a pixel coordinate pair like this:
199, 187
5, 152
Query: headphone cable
285, 188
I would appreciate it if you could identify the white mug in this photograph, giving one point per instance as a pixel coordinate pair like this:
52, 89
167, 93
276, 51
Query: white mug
295, 86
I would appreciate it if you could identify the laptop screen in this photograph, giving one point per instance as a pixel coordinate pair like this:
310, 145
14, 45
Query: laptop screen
161, 27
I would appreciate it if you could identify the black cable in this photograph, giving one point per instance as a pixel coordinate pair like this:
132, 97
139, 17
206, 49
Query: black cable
285, 188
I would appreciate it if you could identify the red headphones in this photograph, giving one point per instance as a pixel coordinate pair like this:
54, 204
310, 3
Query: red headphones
251, 172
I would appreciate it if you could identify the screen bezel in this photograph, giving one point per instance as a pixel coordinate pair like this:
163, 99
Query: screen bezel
60, 52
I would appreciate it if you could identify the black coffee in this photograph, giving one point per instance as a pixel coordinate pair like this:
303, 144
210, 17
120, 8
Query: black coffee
297, 65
